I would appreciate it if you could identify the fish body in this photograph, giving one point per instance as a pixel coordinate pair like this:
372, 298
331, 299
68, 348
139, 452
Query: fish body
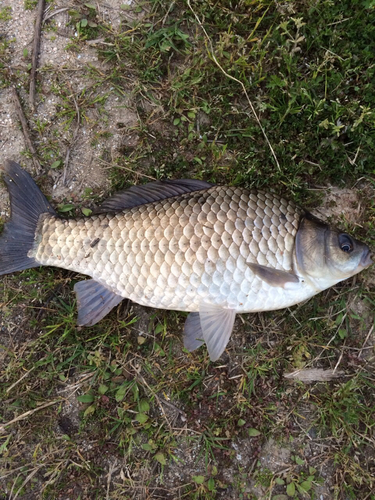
180, 251
213, 251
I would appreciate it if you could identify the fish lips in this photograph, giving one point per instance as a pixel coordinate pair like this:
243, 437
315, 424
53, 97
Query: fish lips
366, 259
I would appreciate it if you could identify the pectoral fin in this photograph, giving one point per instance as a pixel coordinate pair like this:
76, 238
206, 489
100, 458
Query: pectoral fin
94, 302
274, 277
214, 325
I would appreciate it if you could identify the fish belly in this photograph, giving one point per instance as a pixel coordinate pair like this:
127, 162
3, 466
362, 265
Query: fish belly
179, 252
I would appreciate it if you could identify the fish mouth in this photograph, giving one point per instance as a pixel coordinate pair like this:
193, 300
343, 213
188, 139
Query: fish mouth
366, 259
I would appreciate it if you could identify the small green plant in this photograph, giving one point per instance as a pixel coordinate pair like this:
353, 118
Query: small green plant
205, 485
5, 14
301, 483
30, 4
85, 21
167, 39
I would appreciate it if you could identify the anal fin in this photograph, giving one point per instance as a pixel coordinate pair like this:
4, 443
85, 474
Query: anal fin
94, 302
214, 325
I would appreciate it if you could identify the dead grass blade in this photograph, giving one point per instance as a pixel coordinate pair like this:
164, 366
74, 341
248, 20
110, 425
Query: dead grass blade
27, 414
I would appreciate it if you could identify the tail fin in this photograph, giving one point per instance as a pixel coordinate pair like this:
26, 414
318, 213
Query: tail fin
27, 203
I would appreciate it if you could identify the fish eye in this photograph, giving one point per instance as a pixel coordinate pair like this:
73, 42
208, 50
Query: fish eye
346, 243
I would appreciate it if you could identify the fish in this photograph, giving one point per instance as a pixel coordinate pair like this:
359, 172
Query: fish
185, 245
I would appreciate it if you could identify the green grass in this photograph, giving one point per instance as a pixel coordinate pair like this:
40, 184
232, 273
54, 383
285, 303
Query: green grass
171, 423
315, 121
5, 14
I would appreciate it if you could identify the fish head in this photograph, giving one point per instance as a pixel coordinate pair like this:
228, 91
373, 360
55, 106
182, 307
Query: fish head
346, 256
327, 255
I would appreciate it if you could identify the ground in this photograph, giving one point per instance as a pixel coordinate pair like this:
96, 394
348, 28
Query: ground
129, 92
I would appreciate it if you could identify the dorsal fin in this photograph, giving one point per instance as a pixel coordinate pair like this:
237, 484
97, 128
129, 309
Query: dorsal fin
148, 193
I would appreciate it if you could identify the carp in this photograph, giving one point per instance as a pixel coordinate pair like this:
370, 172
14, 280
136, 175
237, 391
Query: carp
186, 245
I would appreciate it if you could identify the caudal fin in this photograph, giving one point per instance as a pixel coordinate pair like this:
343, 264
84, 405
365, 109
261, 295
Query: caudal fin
27, 203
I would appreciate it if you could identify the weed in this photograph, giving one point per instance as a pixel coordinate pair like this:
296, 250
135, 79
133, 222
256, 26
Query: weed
30, 4
5, 14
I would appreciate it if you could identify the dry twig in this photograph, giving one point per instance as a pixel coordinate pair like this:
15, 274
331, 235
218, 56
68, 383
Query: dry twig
66, 162
139, 174
25, 128
314, 375
365, 342
19, 380
36, 46
54, 13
